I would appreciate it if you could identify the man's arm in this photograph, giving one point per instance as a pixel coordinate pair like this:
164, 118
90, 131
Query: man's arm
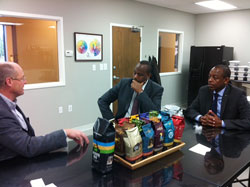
104, 101
152, 102
243, 122
14, 138
194, 109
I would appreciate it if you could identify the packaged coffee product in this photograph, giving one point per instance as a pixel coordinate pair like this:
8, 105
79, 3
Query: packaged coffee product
179, 125
138, 123
158, 137
147, 140
144, 115
133, 145
119, 136
103, 145
122, 120
153, 114
169, 129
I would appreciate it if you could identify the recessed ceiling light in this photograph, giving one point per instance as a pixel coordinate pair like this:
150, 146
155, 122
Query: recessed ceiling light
216, 5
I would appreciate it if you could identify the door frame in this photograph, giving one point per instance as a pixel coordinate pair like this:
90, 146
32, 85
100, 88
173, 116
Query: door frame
111, 48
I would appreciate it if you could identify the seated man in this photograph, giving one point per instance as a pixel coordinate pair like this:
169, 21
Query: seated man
220, 104
137, 95
17, 137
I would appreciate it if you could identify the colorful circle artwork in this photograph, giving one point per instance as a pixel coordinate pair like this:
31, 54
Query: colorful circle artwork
95, 47
82, 46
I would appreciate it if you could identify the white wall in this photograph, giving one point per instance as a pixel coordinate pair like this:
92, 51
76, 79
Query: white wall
228, 28
83, 86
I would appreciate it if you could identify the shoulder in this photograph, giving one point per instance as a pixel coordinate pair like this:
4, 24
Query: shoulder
204, 89
235, 90
155, 85
124, 80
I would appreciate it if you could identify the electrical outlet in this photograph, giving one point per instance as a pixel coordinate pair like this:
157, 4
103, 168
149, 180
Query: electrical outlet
60, 109
70, 108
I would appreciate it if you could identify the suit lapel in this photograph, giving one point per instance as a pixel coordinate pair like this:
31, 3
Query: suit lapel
30, 129
210, 101
130, 95
224, 101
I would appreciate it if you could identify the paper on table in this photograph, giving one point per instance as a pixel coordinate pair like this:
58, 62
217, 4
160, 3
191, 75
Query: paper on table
37, 183
51, 185
40, 183
200, 149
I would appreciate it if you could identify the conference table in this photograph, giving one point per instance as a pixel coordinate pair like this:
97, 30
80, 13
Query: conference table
227, 156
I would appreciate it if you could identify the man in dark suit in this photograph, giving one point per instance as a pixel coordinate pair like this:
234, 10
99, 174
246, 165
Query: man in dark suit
220, 104
136, 95
17, 137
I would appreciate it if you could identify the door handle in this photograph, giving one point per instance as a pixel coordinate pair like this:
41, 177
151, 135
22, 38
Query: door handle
115, 77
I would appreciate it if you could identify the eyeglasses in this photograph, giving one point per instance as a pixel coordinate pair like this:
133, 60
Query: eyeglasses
20, 79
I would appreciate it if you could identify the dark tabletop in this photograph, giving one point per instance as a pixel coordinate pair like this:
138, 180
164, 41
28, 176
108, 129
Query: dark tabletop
229, 156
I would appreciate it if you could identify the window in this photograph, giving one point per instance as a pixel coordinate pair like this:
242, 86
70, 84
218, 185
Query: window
35, 43
2, 44
170, 51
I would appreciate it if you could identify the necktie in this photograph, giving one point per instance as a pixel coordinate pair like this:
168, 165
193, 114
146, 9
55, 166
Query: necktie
214, 104
135, 107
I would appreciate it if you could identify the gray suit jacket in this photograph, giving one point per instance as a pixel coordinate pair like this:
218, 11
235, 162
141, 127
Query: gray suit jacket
235, 109
149, 99
14, 140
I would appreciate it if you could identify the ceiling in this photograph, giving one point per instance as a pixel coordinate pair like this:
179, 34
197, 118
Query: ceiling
190, 7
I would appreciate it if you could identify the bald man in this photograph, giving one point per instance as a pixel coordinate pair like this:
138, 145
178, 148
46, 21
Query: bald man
17, 136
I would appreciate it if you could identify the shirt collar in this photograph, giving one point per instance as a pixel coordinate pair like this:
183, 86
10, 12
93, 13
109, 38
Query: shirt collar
144, 85
11, 104
220, 93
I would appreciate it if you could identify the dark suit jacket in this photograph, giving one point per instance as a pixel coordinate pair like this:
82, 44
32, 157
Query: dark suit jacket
235, 109
14, 140
149, 99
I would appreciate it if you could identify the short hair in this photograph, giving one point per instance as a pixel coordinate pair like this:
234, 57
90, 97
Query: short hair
226, 70
145, 62
6, 70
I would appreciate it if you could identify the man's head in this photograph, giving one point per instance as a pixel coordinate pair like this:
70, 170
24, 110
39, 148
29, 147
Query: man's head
12, 80
219, 77
142, 71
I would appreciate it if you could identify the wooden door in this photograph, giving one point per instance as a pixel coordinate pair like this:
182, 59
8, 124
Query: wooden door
126, 54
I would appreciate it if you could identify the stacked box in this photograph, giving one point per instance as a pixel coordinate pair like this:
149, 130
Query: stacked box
239, 72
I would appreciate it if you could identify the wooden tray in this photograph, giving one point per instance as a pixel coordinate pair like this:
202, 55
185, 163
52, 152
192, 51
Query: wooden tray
147, 160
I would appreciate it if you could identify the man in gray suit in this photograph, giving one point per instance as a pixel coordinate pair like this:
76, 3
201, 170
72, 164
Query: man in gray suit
17, 137
140, 90
220, 104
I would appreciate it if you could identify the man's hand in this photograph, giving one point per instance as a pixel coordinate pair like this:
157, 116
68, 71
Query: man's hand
211, 119
137, 86
78, 136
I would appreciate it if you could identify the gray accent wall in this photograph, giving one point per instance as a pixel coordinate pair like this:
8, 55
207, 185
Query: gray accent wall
84, 86
227, 28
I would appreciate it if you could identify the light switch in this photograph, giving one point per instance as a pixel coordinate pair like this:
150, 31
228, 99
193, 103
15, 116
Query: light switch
94, 67
101, 67
60, 109
70, 108
105, 66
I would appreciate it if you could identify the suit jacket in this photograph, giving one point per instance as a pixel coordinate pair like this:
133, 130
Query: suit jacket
14, 140
149, 99
235, 109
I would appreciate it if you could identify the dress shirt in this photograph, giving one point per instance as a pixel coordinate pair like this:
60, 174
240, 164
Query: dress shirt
219, 101
12, 105
132, 101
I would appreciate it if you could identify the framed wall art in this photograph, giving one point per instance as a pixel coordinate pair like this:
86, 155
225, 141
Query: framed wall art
88, 47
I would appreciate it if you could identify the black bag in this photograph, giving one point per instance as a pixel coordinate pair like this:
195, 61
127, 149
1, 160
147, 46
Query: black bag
103, 145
